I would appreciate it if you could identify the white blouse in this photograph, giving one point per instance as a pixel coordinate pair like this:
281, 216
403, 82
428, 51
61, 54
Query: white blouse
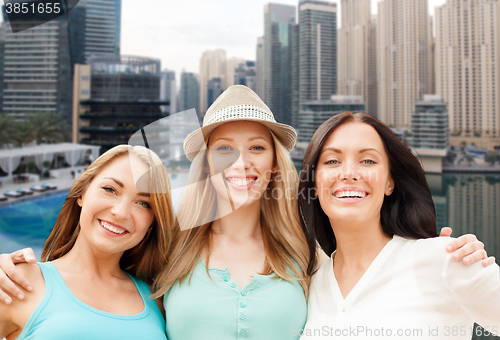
412, 290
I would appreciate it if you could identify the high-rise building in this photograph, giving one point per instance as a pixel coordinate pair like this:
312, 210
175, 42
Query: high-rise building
214, 90
231, 65
37, 69
468, 66
404, 65
168, 90
357, 69
278, 20
102, 26
245, 75
124, 97
260, 67
317, 50
313, 113
189, 96
212, 65
429, 129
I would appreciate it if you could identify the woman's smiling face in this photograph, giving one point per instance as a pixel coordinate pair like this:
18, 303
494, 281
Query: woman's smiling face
353, 174
115, 215
245, 151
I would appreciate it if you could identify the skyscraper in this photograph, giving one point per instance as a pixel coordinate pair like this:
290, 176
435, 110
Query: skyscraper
124, 97
260, 67
278, 20
468, 66
403, 58
102, 26
168, 90
357, 73
189, 97
231, 65
214, 90
212, 65
317, 50
245, 75
37, 70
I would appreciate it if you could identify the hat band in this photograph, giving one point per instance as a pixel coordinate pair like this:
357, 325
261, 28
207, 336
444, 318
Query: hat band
241, 112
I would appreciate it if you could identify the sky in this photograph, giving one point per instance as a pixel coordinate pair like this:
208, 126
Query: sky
178, 32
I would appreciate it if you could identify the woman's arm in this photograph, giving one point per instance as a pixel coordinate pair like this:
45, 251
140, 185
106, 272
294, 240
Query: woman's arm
477, 289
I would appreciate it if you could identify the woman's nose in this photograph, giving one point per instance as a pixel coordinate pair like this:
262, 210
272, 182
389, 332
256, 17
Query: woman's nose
121, 209
349, 172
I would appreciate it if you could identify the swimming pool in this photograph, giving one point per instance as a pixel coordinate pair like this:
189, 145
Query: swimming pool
28, 222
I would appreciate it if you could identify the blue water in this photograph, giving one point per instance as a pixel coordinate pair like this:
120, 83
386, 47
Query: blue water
28, 222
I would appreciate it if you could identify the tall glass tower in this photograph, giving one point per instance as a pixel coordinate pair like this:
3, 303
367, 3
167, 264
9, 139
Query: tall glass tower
278, 23
318, 50
102, 26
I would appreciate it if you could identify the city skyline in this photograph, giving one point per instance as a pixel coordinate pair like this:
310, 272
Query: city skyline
142, 29
232, 26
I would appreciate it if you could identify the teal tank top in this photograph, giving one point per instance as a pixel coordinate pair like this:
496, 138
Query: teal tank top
60, 315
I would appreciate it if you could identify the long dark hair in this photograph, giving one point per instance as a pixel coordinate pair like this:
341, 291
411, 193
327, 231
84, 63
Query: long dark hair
407, 212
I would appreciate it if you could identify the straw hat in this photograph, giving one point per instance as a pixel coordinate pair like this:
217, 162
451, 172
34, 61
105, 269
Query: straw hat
237, 103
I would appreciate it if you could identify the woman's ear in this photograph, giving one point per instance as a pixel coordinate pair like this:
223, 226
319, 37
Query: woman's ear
390, 187
79, 201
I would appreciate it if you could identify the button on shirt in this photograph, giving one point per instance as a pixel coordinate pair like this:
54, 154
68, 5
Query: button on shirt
216, 308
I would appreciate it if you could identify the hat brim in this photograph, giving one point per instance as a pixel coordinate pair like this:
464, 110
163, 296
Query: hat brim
195, 141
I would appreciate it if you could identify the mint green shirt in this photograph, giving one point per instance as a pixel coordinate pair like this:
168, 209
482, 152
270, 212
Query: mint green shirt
267, 308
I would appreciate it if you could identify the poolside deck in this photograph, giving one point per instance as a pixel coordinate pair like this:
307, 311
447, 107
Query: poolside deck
64, 182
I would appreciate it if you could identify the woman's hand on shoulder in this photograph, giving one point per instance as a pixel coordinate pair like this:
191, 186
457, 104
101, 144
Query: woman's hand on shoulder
467, 248
15, 314
10, 275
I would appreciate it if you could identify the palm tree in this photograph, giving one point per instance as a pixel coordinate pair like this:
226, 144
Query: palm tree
8, 130
47, 126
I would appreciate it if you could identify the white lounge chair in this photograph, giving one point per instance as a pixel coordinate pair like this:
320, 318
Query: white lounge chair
9, 193
38, 188
24, 191
49, 186
3, 198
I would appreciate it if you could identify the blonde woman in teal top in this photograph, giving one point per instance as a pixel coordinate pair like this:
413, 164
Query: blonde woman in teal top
238, 265
109, 238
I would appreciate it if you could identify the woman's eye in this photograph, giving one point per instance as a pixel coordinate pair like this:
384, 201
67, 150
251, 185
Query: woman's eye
332, 162
369, 161
145, 204
258, 148
109, 189
223, 148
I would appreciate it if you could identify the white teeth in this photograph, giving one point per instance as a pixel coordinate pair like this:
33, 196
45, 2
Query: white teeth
241, 183
350, 194
111, 228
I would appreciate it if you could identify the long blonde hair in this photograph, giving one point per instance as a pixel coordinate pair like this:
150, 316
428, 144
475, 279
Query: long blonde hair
147, 258
284, 241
